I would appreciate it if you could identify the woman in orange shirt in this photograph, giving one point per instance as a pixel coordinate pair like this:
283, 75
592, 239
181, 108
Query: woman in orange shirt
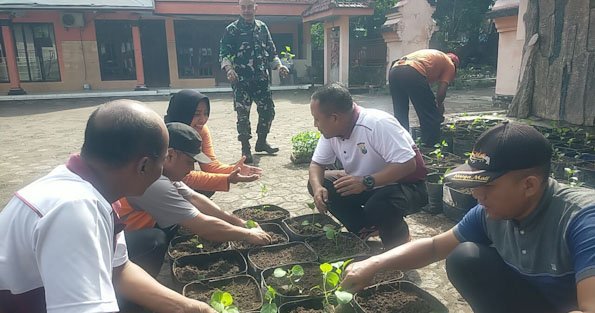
193, 108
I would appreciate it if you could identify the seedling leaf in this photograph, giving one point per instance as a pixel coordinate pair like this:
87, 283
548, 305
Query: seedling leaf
251, 224
269, 308
279, 272
343, 297
325, 268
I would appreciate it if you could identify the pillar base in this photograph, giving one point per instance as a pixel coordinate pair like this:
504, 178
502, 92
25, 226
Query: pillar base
141, 88
16, 91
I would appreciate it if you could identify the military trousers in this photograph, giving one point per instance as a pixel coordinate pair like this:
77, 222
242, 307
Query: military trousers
244, 93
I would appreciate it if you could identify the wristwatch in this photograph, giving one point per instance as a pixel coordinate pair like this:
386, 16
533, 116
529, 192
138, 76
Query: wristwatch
369, 182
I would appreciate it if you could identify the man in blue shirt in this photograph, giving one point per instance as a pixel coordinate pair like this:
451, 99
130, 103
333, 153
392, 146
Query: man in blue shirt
528, 246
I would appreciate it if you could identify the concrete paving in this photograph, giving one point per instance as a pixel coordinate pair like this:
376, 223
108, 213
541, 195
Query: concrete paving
38, 135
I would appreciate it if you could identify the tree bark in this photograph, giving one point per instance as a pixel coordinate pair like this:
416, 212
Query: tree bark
557, 80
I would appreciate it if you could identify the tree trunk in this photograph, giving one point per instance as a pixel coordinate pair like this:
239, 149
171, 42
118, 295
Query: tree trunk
557, 81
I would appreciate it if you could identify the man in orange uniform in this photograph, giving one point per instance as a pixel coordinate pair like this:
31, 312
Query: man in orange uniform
410, 78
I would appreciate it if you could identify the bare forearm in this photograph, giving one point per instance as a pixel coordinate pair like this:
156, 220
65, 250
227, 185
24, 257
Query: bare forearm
208, 207
139, 287
215, 229
394, 172
441, 93
316, 175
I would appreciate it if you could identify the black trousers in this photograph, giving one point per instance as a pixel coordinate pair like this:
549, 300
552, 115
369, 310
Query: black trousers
146, 248
489, 285
406, 83
383, 208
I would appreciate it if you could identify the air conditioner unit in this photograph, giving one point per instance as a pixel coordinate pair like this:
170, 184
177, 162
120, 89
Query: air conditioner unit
73, 20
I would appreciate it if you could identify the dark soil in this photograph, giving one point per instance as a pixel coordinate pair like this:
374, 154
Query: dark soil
182, 231
245, 292
277, 237
304, 310
387, 275
348, 245
281, 255
312, 277
209, 269
189, 246
261, 213
313, 228
373, 301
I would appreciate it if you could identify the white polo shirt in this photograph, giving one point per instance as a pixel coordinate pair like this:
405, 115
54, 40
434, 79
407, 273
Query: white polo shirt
376, 141
57, 233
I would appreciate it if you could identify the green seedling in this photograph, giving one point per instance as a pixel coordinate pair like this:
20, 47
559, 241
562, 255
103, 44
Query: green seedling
292, 277
330, 286
251, 224
196, 242
312, 207
222, 302
270, 306
264, 190
332, 233
571, 177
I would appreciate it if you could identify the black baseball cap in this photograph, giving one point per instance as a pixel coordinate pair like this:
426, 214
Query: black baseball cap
503, 148
186, 139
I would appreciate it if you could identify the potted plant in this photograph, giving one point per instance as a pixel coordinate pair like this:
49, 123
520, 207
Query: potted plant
306, 226
192, 244
303, 145
337, 245
293, 281
261, 258
193, 267
264, 213
434, 184
244, 290
277, 234
398, 296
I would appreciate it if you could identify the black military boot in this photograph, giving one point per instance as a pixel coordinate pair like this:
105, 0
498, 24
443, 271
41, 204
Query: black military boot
263, 146
246, 151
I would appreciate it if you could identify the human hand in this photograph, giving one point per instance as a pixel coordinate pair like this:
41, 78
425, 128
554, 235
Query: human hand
194, 306
246, 169
349, 185
232, 76
259, 237
236, 177
321, 199
283, 71
358, 275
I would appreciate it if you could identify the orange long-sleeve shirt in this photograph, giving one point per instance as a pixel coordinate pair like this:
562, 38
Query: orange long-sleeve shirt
213, 176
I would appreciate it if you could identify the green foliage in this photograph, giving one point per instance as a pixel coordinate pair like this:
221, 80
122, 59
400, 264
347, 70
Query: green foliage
332, 233
304, 144
291, 277
332, 275
269, 297
317, 35
222, 302
571, 177
438, 152
264, 190
196, 241
286, 54
251, 224
312, 207
370, 26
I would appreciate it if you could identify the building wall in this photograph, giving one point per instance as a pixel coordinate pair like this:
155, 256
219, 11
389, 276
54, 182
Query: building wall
408, 29
510, 51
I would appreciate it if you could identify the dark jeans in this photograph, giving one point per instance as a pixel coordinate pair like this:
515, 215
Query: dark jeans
383, 208
407, 83
146, 248
490, 285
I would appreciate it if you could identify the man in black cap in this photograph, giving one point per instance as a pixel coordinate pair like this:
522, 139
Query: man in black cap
169, 202
528, 246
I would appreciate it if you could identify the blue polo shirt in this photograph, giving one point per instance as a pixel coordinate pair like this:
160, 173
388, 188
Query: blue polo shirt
553, 248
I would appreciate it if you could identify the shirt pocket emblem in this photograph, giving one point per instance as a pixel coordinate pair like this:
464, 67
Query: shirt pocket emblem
362, 147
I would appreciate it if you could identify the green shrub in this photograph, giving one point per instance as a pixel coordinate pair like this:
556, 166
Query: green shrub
303, 145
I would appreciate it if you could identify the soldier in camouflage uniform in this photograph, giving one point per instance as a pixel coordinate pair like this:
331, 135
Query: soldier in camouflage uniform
246, 52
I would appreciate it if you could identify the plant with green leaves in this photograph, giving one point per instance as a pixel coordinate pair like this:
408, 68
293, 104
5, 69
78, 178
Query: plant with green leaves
332, 233
312, 207
303, 145
286, 55
270, 306
571, 177
250, 224
332, 275
222, 302
196, 242
290, 277
264, 190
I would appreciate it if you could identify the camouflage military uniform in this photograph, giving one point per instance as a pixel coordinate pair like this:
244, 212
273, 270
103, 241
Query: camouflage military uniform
249, 49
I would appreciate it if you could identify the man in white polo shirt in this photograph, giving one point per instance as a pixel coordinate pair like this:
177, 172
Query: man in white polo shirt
61, 248
383, 176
